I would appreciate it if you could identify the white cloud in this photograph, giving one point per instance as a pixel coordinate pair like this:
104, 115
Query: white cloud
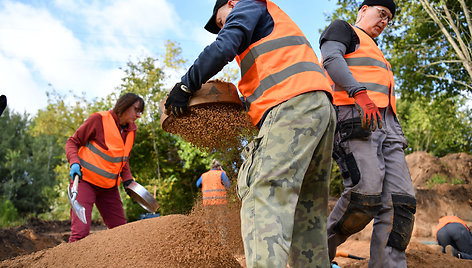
13, 86
75, 45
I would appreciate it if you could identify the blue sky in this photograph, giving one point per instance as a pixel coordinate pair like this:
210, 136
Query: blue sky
78, 46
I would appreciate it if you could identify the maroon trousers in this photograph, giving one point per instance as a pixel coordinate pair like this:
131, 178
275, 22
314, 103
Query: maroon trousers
108, 202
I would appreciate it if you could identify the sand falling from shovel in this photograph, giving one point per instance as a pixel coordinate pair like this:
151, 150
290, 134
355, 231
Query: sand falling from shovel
216, 126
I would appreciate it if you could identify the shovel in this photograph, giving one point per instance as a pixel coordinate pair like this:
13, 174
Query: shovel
347, 255
78, 209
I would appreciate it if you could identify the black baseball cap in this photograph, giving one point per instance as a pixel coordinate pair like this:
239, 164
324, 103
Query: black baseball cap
211, 24
386, 3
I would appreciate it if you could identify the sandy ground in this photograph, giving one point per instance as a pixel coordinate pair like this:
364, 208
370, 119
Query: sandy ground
194, 241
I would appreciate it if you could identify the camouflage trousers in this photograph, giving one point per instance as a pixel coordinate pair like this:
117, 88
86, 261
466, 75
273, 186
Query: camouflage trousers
283, 185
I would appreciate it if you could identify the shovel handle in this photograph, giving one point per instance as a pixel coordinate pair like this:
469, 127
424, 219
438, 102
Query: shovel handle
347, 255
75, 184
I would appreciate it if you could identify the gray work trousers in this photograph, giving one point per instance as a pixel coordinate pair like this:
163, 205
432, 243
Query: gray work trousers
382, 172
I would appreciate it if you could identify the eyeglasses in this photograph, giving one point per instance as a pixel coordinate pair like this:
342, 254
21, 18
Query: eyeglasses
384, 16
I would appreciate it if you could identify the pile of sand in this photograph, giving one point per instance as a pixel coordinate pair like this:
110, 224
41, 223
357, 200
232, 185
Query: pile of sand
169, 241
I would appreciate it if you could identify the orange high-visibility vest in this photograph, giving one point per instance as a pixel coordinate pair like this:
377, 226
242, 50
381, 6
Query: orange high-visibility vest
213, 191
103, 167
443, 221
278, 67
370, 68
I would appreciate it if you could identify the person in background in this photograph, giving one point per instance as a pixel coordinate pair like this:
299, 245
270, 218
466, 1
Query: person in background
98, 153
453, 231
283, 182
3, 103
214, 184
369, 141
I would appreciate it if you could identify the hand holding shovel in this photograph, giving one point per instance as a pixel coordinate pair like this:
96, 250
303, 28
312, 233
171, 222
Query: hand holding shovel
72, 192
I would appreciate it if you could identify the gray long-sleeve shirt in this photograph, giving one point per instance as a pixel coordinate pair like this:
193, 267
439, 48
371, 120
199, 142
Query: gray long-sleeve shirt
337, 40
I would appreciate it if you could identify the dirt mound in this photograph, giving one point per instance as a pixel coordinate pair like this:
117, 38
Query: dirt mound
449, 194
454, 168
36, 235
441, 200
169, 241
418, 255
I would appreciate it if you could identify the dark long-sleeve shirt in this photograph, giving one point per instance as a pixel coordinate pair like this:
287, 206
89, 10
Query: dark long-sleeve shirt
248, 22
92, 130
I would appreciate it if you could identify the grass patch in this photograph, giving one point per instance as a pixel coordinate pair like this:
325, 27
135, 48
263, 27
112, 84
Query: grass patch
441, 179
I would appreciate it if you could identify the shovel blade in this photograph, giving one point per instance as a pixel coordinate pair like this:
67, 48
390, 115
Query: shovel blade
78, 209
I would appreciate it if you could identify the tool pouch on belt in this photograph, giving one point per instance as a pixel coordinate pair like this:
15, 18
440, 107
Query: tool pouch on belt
352, 129
347, 130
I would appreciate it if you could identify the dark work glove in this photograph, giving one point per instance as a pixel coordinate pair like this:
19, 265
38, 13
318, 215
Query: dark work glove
369, 112
3, 103
127, 183
178, 99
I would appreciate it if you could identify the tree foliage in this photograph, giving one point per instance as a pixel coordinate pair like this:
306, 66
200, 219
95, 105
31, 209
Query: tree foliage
439, 126
429, 45
34, 172
27, 164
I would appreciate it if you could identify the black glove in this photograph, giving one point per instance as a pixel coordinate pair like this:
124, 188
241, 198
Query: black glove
178, 99
127, 183
3, 103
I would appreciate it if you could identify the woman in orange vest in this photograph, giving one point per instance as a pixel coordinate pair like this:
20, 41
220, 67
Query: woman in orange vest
369, 142
453, 231
99, 152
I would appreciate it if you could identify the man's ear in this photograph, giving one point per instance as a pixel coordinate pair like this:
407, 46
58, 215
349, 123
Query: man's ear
232, 3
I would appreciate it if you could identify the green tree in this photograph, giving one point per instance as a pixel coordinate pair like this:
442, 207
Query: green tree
437, 126
26, 165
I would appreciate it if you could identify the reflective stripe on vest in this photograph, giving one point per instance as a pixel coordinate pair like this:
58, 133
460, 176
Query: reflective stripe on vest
103, 167
278, 67
370, 68
213, 191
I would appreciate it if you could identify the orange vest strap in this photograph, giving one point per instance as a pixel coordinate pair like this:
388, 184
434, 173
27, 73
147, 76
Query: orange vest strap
98, 170
105, 156
269, 46
371, 86
367, 61
277, 78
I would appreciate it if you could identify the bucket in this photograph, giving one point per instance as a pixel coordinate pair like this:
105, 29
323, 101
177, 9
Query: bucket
216, 118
